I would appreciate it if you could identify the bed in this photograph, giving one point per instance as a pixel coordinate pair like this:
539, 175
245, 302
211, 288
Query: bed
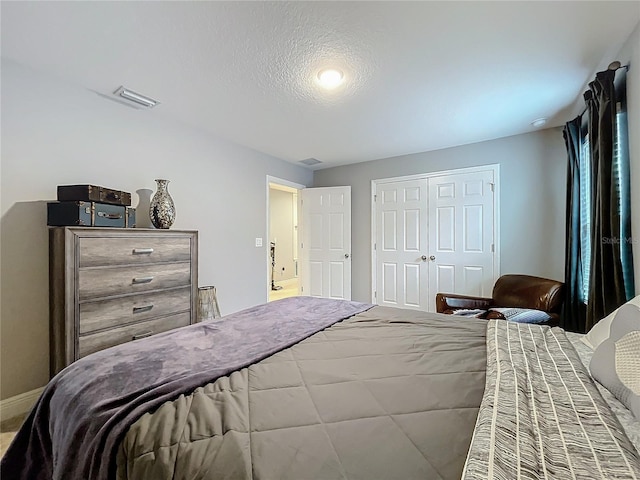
309, 388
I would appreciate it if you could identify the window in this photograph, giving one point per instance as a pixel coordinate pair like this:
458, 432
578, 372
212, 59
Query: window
623, 189
585, 216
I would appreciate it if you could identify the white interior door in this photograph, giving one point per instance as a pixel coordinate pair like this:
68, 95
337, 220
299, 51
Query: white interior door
461, 234
401, 242
326, 242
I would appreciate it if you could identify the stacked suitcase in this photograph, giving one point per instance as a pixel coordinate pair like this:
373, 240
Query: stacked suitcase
91, 206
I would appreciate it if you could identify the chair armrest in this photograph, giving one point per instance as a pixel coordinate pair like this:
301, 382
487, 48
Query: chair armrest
449, 302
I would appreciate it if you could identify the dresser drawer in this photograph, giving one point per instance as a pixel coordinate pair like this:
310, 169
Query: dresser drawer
134, 250
103, 282
101, 314
99, 341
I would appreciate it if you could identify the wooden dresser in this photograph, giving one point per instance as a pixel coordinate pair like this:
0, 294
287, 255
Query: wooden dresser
113, 285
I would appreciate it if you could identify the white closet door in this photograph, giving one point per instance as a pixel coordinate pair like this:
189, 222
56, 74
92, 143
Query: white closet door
461, 230
401, 243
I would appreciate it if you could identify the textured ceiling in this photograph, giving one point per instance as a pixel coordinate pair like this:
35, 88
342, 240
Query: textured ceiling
419, 75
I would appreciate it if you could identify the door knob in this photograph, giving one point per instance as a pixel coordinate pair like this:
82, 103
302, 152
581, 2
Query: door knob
432, 258
424, 258
346, 255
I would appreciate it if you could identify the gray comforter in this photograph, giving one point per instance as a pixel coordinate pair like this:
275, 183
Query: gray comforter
386, 394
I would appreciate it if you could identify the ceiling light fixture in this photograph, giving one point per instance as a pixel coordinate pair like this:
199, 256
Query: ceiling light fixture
136, 97
539, 122
330, 78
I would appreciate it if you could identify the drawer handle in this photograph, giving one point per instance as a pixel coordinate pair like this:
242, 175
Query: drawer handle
142, 280
110, 216
142, 335
142, 251
144, 308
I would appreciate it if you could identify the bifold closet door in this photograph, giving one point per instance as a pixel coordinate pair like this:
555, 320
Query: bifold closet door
434, 234
461, 244
401, 244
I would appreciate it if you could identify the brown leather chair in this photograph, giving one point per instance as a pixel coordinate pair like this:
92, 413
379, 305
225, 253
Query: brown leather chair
514, 291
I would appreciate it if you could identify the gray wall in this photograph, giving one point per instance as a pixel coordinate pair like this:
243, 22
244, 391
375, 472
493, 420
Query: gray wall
54, 133
532, 200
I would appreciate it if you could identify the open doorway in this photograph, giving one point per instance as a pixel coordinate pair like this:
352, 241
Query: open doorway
282, 242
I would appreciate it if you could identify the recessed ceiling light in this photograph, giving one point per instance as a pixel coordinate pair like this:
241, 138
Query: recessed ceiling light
539, 122
330, 78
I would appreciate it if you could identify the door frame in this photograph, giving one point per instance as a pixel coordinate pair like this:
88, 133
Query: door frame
496, 212
289, 185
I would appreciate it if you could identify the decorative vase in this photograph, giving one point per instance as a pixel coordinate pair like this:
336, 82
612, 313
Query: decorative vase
162, 211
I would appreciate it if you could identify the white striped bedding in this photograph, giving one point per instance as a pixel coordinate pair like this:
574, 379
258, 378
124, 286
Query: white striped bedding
542, 417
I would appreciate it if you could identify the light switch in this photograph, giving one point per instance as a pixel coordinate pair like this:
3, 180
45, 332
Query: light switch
258, 242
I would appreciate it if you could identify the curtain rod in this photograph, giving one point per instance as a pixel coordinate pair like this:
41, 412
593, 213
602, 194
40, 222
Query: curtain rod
616, 65
612, 66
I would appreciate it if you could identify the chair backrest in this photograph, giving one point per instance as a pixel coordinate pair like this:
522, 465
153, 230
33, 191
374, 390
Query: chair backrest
526, 291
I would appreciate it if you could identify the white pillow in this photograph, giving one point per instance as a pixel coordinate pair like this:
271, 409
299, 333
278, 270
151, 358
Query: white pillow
616, 361
601, 330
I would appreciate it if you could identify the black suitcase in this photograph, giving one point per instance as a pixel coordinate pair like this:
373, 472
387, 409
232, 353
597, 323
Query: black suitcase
88, 214
93, 193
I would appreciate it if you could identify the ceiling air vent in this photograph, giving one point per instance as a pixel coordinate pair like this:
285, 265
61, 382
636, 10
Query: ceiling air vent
310, 161
134, 97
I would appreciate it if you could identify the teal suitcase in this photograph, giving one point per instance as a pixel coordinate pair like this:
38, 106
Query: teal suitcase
88, 214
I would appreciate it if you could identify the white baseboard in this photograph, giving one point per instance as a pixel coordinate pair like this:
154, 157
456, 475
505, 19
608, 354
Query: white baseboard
18, 405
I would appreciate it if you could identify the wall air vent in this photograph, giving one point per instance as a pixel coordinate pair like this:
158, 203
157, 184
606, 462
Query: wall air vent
136, 98
310, 161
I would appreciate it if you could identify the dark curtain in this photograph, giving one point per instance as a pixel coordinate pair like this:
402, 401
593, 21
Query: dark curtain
611, 280
606, 286
574, 309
